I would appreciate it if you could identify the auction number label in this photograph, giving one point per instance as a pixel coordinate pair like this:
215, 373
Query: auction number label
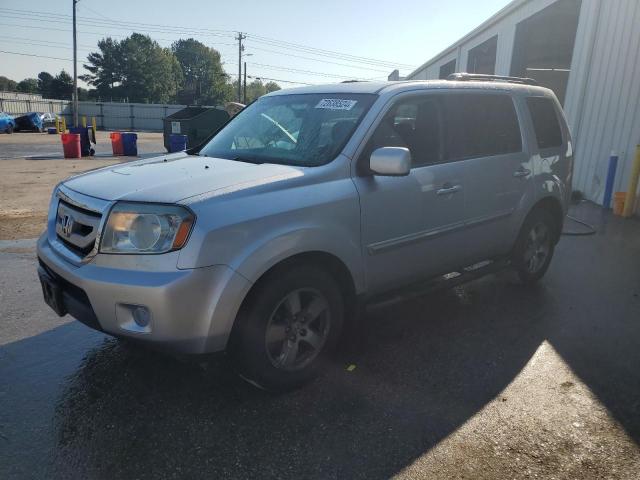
336, 104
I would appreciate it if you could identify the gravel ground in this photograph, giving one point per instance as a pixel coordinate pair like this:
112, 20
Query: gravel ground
490, 380
31, 165
42, 146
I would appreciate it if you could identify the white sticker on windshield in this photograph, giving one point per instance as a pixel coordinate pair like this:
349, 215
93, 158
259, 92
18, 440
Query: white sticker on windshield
336, 104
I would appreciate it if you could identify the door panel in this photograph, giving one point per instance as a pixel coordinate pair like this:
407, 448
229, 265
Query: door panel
409, 230
495, 188
412, 227
484, 136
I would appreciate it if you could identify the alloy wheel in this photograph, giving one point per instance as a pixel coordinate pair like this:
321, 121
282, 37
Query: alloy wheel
297, 329
537, 248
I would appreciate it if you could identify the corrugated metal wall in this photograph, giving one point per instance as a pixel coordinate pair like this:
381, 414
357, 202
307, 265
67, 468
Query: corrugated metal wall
110, 116
603, 94
505, 28
603, 100
16, 106
21, 96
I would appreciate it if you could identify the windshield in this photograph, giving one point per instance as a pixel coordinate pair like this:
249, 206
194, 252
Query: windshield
298, 129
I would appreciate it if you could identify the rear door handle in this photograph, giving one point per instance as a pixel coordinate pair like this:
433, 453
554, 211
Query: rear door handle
523, 172
447, 188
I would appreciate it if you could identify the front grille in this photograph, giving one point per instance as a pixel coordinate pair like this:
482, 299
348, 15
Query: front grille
77, 228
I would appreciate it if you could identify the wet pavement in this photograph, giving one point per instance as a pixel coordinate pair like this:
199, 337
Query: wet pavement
487, 380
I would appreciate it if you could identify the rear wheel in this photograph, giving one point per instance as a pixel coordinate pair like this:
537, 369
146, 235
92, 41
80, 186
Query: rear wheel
288, 326
9, 129
535, 246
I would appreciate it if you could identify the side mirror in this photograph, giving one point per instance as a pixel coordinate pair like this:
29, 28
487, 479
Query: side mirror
390, 161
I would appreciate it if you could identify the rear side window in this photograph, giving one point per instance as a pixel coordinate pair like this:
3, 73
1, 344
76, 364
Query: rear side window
545, 122
480, 125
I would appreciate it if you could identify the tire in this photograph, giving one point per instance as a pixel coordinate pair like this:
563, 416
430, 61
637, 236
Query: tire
9, 129
273, 345
534, 247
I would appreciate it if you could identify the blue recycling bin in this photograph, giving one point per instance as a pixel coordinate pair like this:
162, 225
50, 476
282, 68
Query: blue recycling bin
129, 144
177, 143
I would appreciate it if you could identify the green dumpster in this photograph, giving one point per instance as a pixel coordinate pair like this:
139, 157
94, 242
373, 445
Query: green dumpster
197, 123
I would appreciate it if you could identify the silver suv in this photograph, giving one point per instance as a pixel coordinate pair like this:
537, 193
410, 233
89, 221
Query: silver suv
262, 241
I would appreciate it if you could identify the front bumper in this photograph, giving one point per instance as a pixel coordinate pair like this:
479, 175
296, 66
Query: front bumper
192, 311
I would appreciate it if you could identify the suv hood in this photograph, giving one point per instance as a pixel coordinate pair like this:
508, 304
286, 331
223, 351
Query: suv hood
175, 177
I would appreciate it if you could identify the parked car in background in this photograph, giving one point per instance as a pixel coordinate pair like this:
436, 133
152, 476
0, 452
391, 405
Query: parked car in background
48, 119
309, 202
7, 123
31, 121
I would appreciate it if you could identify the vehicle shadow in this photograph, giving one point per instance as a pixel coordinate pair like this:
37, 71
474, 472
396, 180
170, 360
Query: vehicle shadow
422, 369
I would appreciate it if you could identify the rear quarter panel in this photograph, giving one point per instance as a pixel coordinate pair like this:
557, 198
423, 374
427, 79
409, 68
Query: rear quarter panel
552, 167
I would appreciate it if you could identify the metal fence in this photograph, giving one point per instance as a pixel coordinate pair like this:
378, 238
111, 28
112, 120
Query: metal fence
21, 95
109, 116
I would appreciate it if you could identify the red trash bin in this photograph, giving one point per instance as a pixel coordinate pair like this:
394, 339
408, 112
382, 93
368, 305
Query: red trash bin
116, 143
71, 145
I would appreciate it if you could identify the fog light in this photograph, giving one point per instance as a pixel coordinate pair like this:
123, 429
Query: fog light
141, 316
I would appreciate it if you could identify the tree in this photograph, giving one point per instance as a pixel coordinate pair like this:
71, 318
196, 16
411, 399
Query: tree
28, 85
6, 84
83, 94
205, 81
150, 73
104, 68
271, 87
256, 88
62, 86
136, 68
45, 79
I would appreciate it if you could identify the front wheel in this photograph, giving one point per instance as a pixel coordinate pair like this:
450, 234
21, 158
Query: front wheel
288, 326
534, 247
9, 129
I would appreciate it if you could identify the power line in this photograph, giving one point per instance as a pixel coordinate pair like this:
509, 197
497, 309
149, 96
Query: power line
218, 32
33, 55
83, 6
217, 45
330, 53
49, 17
288, 54
308, 72
44, 43
119, 25
279, 80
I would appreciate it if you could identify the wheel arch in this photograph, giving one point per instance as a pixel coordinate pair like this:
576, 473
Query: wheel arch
553, 206
320, 259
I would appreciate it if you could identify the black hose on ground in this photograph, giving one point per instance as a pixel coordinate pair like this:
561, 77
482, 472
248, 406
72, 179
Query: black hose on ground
591, 229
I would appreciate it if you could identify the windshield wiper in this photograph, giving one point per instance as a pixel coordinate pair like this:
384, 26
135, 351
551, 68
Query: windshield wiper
248, 160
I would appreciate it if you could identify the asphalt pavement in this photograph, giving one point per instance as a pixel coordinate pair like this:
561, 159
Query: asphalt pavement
486, 380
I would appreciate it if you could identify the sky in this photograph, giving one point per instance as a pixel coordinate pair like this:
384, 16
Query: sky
293, 42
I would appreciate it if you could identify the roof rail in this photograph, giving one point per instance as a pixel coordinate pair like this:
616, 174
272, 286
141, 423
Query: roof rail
480, 77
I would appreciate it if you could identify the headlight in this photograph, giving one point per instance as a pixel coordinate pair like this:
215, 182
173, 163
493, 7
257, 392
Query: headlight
146, 228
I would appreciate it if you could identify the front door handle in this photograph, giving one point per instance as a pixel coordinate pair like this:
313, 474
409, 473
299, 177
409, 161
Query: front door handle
447, 188
523, 172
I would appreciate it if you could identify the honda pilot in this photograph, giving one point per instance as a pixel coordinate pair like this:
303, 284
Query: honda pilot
262, 241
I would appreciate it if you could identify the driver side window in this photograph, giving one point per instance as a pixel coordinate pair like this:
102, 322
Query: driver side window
414, 123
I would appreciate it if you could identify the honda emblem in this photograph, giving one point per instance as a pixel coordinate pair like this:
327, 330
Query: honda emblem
66, 224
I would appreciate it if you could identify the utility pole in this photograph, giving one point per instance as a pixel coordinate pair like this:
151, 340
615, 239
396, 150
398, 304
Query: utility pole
75, 68
240, 37
245, 83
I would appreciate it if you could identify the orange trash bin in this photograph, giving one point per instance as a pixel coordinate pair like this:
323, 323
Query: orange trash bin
116, 143
71, 145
